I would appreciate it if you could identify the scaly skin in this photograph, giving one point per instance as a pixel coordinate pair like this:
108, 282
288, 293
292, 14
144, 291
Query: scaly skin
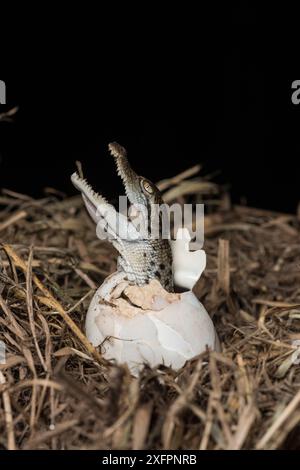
141, 258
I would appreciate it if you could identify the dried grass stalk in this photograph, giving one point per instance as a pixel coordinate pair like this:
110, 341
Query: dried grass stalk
57, 392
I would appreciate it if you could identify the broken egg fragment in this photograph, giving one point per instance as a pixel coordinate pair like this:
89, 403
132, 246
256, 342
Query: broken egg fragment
137, 325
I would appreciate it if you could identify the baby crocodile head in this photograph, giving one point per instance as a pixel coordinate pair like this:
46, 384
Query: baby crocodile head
139, 190
141, 257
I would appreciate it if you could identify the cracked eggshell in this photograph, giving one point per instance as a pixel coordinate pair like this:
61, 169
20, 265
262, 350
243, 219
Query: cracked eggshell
178, 331
187, 265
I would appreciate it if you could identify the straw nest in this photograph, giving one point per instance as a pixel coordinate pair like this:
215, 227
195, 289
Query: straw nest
57, 392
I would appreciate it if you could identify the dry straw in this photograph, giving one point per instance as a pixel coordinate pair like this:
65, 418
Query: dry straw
56, 391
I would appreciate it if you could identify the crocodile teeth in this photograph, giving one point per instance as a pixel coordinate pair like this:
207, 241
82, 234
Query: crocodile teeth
117, 150
82, 185
120, 155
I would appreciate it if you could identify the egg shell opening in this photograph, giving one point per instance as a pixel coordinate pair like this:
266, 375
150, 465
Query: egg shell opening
178, 331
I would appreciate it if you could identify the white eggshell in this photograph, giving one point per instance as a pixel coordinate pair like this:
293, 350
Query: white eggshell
171, 336
187, 265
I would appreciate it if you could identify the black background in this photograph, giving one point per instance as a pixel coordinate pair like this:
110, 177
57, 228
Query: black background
175, 88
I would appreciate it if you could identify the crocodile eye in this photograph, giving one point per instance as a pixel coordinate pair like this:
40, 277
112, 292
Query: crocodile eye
147, 186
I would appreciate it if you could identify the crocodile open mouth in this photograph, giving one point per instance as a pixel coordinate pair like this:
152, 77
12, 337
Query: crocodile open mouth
94, 200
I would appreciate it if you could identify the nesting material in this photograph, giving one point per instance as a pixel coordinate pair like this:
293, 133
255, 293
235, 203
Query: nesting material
56, 394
